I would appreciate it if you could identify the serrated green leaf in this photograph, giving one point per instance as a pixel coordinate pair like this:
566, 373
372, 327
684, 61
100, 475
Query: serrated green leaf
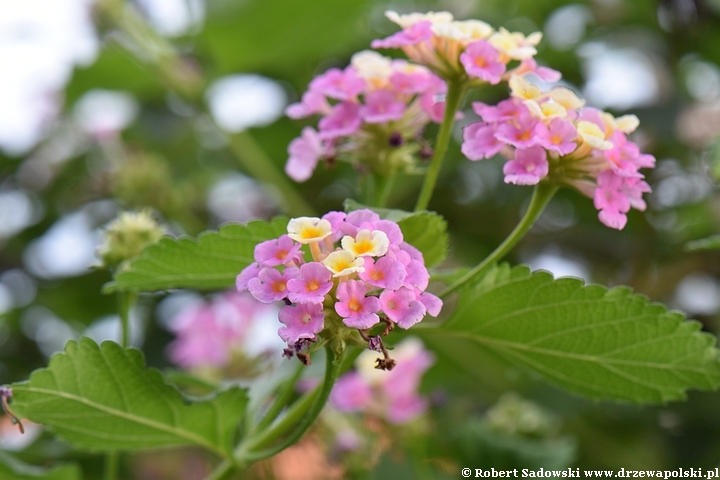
211, 262
103, 398
606, 344
424, 230
13, 469
709, 243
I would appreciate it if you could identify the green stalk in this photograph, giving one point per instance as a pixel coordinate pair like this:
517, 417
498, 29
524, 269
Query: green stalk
125, 302
455, 94
223, 471
256, 162
112, 466
383, 186
298, 419
541, 197
282, 399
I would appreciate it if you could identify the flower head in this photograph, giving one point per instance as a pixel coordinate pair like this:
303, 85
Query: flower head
372, 277
372, 113
392, 396
469, 49
551, 136
208, 332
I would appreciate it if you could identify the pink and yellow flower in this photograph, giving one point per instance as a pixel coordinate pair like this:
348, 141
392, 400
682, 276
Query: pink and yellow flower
372, 275
551, 136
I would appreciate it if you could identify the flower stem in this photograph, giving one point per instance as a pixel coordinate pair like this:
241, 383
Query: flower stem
126, 300
256, 162
112, 465
382, 187
541, 197
298, 419
282, 399
455, 94
300, 416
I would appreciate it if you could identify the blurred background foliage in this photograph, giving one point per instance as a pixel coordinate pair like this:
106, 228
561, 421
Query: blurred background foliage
151, 118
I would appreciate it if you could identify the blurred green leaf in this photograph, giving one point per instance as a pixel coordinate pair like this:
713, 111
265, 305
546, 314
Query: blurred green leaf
103, 398
279, 34
213, 261
114, 69
425, 230
13, 469
486, 448
709, 243
606, 344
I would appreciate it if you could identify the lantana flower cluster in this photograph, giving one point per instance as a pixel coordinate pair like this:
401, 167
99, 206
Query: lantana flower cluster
373, 113
210, 332
372, 276
392, 396
465, 49
550, 135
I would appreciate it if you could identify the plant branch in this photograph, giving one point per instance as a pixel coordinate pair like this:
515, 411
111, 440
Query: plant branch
126, 300
542, 195
256, 162
455, 94
298, 419
282, 399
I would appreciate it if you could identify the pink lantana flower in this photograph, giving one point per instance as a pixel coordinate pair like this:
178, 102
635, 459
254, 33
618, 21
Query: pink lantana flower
351, 393
356, 310
208, 332
402, 306
382, 106
528, 167
557, 136
343, 121
305, 152
271, 285
384, 273
338, 84
312, 102
281, 251
391, 396
479, 141
301, 321
519, 133
312, 285
482, 60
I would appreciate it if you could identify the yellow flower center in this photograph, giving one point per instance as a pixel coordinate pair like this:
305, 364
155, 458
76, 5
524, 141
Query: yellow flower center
354, 304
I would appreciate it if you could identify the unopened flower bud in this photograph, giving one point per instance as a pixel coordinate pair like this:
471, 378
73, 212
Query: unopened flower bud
126, 236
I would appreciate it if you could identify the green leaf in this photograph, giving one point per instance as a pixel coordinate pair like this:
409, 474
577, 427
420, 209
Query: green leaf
709, 243
606, 344
424, 230
105, 399
211, 262
13, 469
239, 36
486, 449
